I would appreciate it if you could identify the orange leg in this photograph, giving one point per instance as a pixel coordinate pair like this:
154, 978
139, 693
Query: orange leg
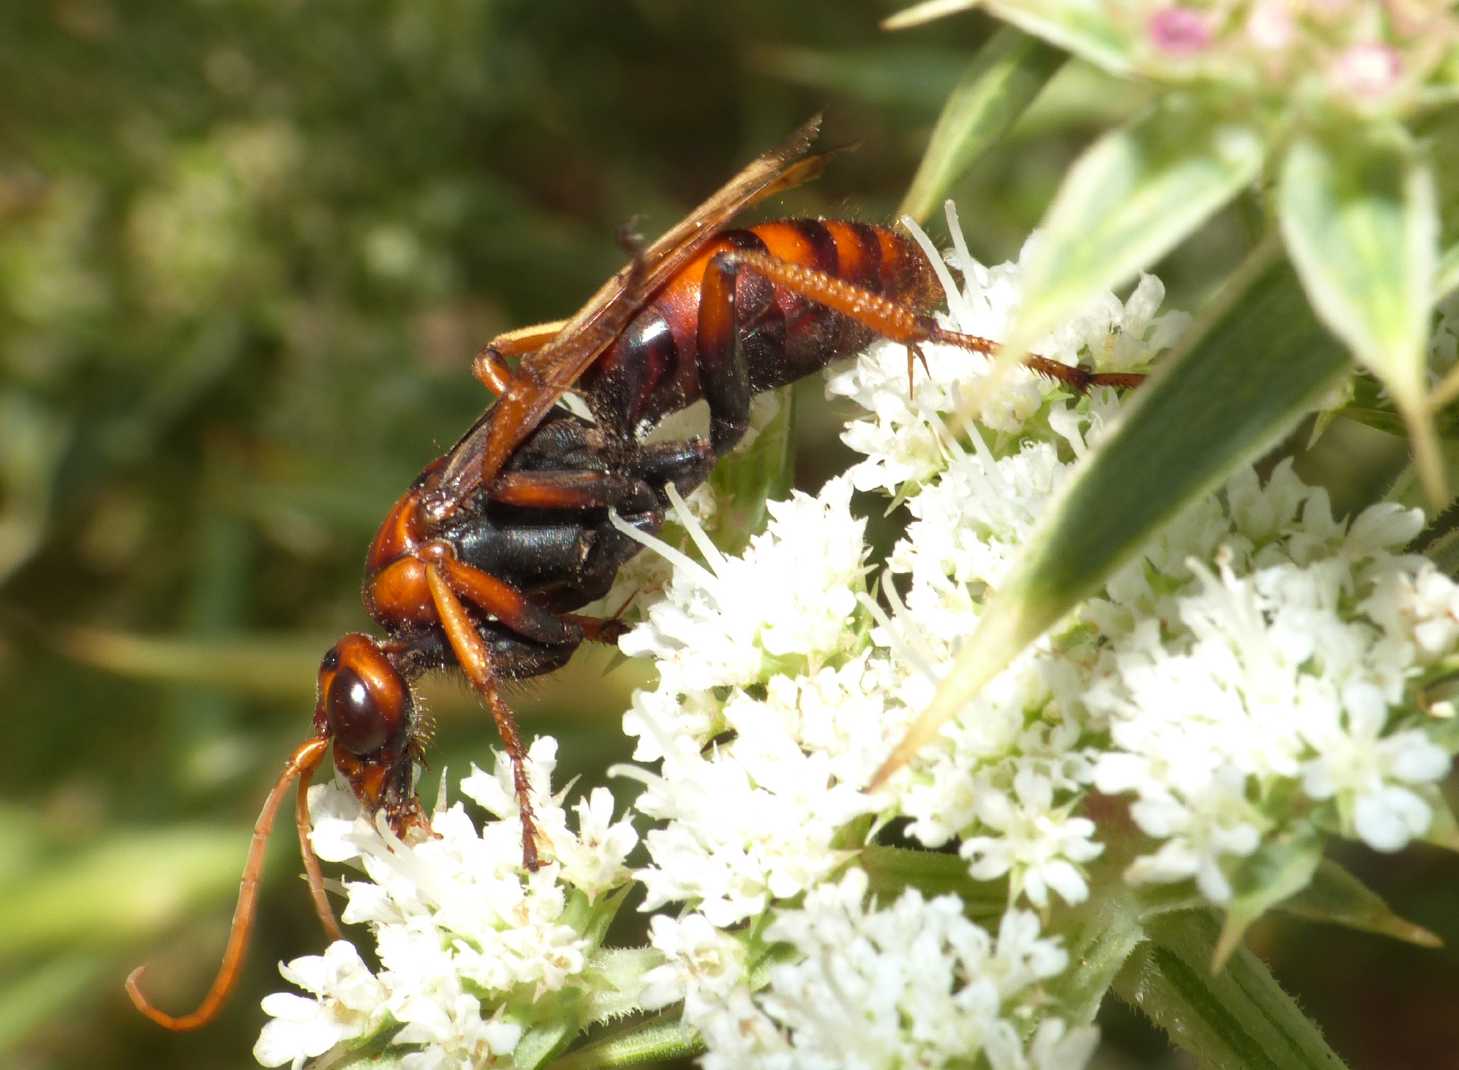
301, 764
564, 489
897, 322
490, 365
496, 597
599, 629
475, 661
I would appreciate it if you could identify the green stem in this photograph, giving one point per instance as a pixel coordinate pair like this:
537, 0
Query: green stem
1238, 1019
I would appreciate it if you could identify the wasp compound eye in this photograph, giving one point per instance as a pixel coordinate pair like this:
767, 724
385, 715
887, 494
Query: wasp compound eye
364, 702
355, 718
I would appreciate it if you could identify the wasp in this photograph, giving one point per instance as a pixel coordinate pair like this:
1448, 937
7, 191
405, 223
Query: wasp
481, 566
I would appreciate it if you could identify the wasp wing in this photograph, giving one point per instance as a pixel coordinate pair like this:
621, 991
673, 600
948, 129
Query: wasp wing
544, 376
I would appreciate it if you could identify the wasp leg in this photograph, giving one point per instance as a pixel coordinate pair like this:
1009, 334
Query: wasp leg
637, 500
599, 629
474, 657
497, 597
685, 464
490, 365
888, 318
724, 373
563, 489
491, 370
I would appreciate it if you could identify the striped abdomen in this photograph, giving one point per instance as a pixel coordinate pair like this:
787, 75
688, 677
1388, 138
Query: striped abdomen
654, 367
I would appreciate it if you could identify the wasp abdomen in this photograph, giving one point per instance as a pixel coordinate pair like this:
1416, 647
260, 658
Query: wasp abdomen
655, 368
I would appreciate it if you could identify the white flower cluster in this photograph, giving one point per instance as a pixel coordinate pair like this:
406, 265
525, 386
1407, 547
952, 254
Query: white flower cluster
1281, 673
1250, 677
464, 938
760, 731
754, 788
783, 683
914, 984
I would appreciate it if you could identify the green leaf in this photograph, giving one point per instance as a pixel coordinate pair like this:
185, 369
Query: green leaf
1446, 276
1128, 200
1091, 31
543, 1040
1239, 1019
912, 79
43, 990
78, 900
1003, 79
1280, 869
657, 1039
1359, 217
1247, 373
745, 480
1335, 896
1100, 936
1443, 830
617, 981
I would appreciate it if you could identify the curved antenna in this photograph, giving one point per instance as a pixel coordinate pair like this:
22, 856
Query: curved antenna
311, 860
302, 763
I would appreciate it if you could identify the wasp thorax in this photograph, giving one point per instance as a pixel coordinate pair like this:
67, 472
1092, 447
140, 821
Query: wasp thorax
364, 702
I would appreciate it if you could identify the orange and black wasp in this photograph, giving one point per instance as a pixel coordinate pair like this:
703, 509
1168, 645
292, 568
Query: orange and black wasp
481, 566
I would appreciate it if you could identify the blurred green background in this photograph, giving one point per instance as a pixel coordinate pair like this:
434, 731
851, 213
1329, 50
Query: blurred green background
246, 252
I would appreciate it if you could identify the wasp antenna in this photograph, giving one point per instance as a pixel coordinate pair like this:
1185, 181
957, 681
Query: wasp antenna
311, 860
302, 762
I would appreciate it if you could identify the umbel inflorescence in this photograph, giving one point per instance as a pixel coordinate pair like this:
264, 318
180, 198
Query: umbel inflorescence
1250, 679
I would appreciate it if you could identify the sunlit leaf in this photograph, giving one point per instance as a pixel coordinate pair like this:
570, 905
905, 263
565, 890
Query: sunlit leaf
1334, 895
1239, 1019
658, 1039
1359, 217
925, 12
81, 897
1251, 369
1278, 870
1091, 31
1129, 199
1446, 277
1002, 80
744, 481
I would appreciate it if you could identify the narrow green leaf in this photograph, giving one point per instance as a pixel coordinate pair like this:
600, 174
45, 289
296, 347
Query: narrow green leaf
1239, 1019
78, 900
1443, 830
1278, 870
906, 78
1359, 217
544, 1040
927, 11
658, 1039
1094, 32
1337, 897
892, 870
45, 990
1100, 936
1446, 277
1249, 371
745, 480
1003, 79
1129, 199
